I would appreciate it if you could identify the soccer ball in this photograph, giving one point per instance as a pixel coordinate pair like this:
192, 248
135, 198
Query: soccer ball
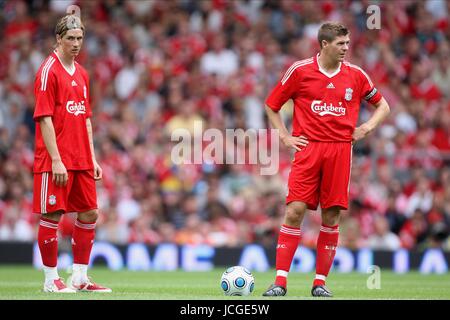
237, 281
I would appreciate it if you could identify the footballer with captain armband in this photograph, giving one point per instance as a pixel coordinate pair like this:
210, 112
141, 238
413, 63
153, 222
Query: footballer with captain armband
327, 92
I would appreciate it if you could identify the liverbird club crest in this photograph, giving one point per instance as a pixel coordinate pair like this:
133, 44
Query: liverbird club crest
348, 94
52, 200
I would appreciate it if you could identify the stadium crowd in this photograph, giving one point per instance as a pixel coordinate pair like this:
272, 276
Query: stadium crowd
159, 65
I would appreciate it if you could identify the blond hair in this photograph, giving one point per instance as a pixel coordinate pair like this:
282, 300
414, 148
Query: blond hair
68, 22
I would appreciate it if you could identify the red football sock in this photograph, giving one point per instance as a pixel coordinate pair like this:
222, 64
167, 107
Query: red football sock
326, 250
288, 240
82, 240
48, 241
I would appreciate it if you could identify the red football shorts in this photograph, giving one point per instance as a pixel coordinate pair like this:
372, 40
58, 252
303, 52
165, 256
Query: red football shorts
79, 195
321, 173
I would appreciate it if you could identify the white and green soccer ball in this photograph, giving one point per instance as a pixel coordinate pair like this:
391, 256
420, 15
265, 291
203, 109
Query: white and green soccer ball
237, 281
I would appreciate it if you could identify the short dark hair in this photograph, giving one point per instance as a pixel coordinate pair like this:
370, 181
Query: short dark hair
330, 31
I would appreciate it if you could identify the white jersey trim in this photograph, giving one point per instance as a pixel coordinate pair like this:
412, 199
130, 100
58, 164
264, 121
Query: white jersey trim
350, 173
294, 66
44, 188
362, 71
44, 73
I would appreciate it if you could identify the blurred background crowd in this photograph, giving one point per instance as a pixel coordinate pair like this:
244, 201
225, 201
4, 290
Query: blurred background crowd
159, 65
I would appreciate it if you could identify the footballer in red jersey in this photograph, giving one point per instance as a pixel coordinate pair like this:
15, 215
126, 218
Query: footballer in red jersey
65, 167
327, 92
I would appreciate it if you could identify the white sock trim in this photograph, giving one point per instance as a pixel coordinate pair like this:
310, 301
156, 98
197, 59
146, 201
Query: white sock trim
87, 226
79, 272
321, 277
291, 231
282, 273
51, 273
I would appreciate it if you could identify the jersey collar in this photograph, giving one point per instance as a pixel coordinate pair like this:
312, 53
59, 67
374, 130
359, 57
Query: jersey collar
329, 75
70, 71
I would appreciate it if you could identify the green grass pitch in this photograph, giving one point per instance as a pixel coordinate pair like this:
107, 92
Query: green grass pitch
25, 283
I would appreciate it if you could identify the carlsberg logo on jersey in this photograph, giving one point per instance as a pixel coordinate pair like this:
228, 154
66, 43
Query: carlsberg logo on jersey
75, 108
322, 108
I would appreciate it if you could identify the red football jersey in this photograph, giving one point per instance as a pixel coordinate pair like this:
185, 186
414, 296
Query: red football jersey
64, 97
326, 106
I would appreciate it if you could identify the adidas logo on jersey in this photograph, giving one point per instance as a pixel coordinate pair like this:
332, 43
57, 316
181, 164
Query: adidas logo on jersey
74, 84
330, 86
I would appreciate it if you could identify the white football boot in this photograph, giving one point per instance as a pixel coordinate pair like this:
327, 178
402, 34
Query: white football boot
87, 286
57, 286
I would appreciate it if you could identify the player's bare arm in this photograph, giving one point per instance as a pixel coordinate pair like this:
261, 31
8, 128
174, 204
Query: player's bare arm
59, 171
381, 112
288, 140
98, 172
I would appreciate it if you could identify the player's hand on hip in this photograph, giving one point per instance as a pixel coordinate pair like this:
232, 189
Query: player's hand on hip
295, 142
98, 172
59, 173
360, 132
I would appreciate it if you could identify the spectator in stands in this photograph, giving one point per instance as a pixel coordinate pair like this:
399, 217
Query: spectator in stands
383, 238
